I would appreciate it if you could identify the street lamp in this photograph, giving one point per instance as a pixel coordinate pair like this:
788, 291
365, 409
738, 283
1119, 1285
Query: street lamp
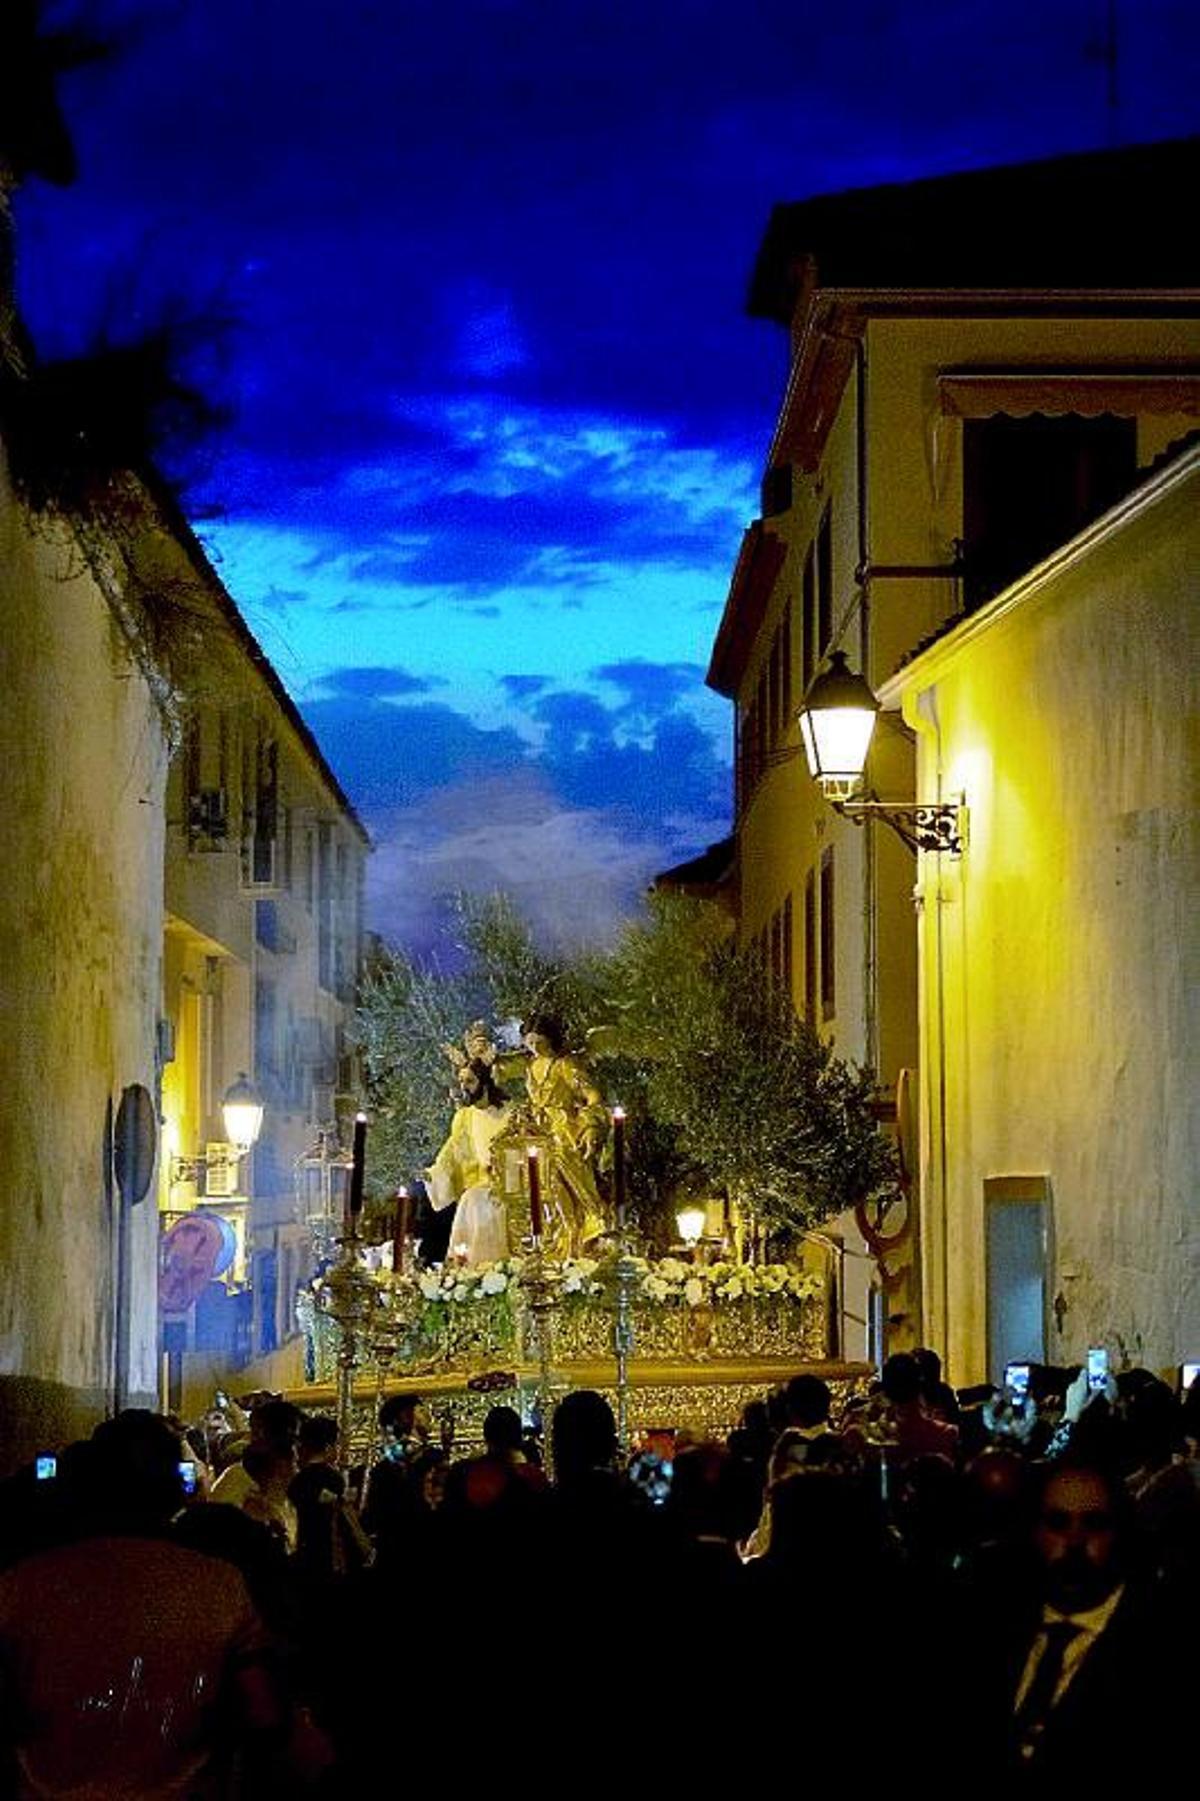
691, 1222
242, 1111
322, 1181
837, 722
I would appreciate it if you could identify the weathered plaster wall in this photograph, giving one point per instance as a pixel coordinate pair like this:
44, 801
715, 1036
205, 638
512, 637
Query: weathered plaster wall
1070, 934
83, 750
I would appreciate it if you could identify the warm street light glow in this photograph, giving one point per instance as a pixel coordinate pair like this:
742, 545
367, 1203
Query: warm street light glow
242, 1109
836, 723
691, 1221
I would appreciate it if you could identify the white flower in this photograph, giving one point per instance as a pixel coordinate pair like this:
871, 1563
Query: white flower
462, 1291
573, 1284
693, 1291
672, 1269
734, 1289
494, 1281
430, 1284
656, 1288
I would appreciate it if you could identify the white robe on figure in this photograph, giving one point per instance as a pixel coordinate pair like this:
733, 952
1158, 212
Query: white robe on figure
462, 1174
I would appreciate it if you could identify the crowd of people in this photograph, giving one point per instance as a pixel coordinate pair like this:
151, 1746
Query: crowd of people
932, 1587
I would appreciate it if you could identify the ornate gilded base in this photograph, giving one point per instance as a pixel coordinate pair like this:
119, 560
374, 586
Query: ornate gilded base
702, 1399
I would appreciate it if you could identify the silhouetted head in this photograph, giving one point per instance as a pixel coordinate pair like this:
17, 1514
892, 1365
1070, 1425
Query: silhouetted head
807, 1400
900, 1378
401, 1415
502, 1429
584, 1433
275, 1424
131, 1471
318, 1438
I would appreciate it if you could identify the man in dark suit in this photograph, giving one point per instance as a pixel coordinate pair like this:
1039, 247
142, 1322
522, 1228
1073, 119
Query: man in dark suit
1096, 1679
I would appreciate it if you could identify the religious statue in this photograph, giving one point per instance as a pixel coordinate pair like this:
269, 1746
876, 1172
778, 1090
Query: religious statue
564, 1102
461, 1174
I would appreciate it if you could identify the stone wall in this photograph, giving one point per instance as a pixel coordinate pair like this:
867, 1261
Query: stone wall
83, 745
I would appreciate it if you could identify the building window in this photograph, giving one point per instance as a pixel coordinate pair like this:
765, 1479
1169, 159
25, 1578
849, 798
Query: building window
326, 956
1029, 484
824, 583
774, 684
786, 688
828, 978
808, 608
810, 948
266, 1036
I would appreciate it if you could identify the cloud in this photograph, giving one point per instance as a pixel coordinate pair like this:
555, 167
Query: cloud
376, 683
650, 689
521, 688
573, 873
387, 756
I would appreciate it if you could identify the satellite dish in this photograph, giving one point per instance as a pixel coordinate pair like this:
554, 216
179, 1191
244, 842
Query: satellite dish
135, 1141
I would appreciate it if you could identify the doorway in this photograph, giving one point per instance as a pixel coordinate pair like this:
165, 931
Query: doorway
1017, 1219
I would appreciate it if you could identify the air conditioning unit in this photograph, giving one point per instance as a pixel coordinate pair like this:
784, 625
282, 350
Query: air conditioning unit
221, 1168
208, 819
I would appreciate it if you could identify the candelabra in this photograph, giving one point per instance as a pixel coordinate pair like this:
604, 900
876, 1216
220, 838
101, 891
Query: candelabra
543, 1299
349, 1297
626, 1276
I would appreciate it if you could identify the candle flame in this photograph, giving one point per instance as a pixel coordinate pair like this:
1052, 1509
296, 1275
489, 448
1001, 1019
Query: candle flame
533, 1151
618, 1112
360, 1119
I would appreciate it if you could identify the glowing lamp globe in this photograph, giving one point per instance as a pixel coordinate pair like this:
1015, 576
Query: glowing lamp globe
690, 1221
836, 723
243, 1113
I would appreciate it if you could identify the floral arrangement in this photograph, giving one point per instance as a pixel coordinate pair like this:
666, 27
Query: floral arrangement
666, 1281
479, 1315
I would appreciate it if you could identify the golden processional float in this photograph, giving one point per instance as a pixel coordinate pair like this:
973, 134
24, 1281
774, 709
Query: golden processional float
681, 1342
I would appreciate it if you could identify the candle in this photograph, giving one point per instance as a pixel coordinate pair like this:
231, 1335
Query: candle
400, 1236
618, 1126
535, 1195
354, 1199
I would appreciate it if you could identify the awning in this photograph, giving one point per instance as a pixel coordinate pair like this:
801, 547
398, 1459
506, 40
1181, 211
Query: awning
979, 394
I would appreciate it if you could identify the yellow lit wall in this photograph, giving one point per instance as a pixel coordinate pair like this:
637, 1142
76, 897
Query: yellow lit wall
1060, 1017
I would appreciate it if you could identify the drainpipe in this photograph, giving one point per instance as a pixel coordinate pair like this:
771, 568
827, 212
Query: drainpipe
922, 716
870, 974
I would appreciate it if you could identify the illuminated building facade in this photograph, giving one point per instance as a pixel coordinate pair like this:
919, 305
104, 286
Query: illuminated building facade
980, 367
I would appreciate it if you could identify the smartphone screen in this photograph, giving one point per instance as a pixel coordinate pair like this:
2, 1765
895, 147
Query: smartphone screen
187, 1475
1097, 1368
46, 1468
1016, 1380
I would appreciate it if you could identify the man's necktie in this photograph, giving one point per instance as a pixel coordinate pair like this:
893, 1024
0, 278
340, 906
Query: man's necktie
1034, 1710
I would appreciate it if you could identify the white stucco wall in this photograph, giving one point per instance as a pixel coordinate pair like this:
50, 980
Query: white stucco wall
84, 755
1067, 713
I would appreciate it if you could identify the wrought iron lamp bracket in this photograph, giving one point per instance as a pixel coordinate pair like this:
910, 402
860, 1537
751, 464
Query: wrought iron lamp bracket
930, 827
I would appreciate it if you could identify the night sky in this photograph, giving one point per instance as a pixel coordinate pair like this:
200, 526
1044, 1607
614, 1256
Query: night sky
496, 413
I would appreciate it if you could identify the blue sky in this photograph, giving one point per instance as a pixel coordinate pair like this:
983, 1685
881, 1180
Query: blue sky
496, 415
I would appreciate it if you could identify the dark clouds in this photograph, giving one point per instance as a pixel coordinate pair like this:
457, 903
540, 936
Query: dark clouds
573, 825
376, 684
487, 265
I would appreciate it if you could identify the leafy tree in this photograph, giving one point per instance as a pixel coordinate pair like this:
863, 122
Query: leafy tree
759, 1104
725, 1088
